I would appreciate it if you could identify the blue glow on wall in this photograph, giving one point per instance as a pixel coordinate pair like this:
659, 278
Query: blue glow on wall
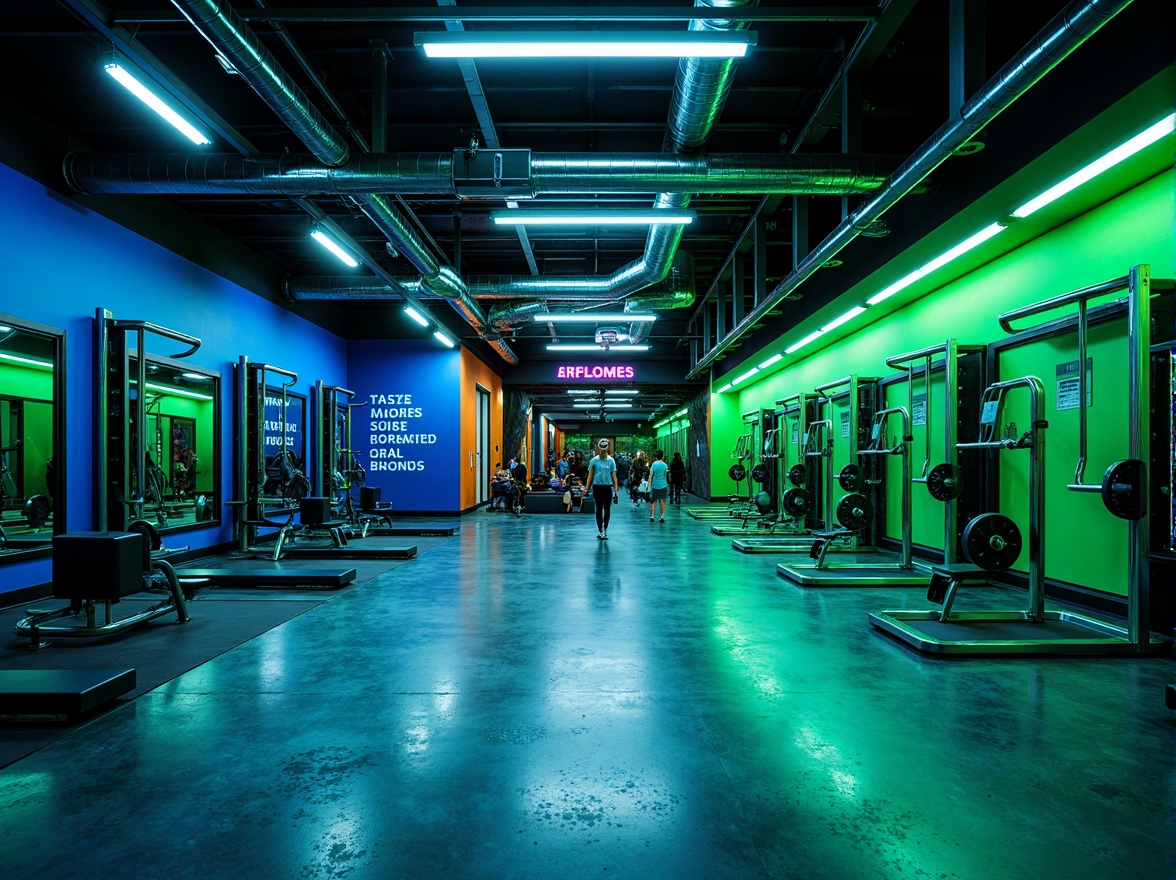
62, 261
407, 435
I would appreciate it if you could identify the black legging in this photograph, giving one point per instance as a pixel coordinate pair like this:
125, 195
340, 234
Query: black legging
603, 496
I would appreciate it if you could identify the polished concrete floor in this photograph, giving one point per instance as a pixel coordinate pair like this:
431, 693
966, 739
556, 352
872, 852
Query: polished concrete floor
526, 701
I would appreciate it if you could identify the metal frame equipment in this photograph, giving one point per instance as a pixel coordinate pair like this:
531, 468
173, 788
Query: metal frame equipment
992, 542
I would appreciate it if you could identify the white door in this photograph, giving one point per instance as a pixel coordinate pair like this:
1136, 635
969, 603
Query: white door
482, 444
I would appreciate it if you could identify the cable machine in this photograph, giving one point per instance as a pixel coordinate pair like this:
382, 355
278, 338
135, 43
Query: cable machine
992, 542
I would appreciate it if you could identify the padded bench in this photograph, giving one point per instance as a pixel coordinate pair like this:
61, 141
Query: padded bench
60, 693
552, 502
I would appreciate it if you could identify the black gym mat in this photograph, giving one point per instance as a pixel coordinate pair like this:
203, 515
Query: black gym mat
159, 651
351, 551
274, 575
411, 531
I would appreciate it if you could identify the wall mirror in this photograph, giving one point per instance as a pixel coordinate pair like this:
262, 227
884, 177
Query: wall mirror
181, 436
32, 472
285, 448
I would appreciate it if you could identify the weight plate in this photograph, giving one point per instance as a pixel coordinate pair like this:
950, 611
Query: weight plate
992, 541
943, 482
796, 475
36, 511
1123, 489
854, 512
759, 473
797, 502
850, 478
763, 502
149, 532
737, 472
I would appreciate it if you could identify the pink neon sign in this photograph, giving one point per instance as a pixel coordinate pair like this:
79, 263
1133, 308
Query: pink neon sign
596, 373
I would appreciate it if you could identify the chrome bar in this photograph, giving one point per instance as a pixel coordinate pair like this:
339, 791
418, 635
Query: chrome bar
142, 327
1139, 434
1065, 299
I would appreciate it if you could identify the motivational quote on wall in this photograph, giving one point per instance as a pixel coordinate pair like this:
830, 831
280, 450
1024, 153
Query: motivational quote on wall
394, 445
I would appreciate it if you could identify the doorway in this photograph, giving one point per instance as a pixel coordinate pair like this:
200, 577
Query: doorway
482, 445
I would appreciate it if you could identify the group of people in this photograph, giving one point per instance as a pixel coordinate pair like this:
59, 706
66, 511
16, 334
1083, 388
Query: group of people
655, 482
605, 482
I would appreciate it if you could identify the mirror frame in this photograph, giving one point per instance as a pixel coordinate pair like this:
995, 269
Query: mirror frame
184, 366
56, 338
305, 440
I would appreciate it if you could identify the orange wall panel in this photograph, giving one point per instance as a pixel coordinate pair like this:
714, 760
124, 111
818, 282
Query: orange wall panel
473, 374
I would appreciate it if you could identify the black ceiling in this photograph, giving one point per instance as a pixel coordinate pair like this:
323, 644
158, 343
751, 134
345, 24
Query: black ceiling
578, 106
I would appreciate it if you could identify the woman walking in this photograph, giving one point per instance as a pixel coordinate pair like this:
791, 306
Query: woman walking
602, 479
677, 477
659, 485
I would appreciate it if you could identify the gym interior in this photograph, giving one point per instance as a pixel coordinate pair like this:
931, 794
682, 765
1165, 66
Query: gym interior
314, 321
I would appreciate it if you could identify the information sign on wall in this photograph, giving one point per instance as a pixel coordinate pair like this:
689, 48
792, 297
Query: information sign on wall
845, 424
295, 422
1067, 379
919, 409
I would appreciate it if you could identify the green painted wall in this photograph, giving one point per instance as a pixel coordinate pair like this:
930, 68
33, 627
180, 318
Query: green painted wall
18, 381
1103, 243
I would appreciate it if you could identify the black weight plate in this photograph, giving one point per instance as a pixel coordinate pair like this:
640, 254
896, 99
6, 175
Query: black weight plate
992, 541
850, 478
759, 473
797, 502
854, 512
36, 511
1123, 491
149, 532
796, 475
763, 502
737, 472
943, 482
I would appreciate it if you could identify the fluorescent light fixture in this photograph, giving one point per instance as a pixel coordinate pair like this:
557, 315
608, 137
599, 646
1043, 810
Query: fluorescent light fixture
1145, 138
596, 348
618, 404
585, 406
601, 218
28, 362
196, 377
942, 260
848, 316
679, 413
770, 361
127, 80
725, 388
179, 392
416, 316
803, 342
4, 328
746, 375
594, 44
323, 239
593, 317
442, 338
623, 392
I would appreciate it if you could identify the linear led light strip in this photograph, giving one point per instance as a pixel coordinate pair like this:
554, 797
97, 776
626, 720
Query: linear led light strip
1128, 148
127, 80
624, 392
597, 348
559, 218
671, 417
330, 244
167, 389
593, 45
587, 317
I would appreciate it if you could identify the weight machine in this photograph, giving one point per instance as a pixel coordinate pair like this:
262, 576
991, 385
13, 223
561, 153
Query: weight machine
253, 510
793, 501
758, 505
943, 481
992, 542
738, 507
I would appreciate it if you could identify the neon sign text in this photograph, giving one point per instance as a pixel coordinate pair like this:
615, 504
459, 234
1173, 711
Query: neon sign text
621, 373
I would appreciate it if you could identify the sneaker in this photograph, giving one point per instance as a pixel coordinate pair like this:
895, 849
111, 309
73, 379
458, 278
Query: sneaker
663, 519
600, 536
651, 519
604, 536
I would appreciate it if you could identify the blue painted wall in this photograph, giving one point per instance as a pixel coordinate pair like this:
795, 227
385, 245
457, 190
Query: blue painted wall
407, 437
61, 262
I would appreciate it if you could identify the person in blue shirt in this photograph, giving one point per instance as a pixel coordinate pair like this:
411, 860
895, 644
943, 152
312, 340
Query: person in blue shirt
602, 479
659, 484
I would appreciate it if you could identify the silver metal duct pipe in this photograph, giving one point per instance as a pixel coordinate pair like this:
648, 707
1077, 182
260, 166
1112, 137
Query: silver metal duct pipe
218, 23
431, 174
1068, 30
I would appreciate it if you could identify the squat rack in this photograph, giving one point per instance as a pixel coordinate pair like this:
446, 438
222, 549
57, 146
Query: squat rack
1123, 490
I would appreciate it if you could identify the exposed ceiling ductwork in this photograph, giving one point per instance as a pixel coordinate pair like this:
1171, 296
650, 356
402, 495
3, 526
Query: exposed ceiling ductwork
432, 174
218, 23
1068, 30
